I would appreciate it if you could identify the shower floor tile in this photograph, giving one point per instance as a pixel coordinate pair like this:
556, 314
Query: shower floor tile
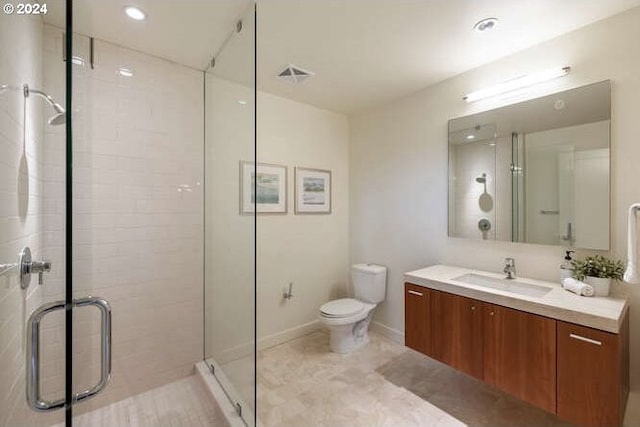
183, 403
301, 383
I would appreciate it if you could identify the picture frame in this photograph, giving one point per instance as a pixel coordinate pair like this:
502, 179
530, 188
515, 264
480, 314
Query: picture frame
271, 188
312, 191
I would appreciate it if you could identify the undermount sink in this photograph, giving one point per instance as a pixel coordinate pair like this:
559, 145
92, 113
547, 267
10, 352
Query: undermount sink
507, 285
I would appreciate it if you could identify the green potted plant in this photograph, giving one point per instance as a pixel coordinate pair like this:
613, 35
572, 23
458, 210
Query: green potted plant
598, 271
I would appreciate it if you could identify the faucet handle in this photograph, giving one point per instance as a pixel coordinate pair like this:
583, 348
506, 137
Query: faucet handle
510, 268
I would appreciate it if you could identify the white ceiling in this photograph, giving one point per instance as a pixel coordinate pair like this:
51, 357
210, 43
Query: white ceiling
363, 52
188, 32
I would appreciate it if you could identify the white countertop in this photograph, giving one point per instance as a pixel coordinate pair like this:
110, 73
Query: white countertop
604, 313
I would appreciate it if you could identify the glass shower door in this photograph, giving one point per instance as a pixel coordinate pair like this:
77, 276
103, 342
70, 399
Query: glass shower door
230, 291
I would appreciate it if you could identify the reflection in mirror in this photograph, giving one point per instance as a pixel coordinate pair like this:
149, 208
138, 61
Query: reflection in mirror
534, 172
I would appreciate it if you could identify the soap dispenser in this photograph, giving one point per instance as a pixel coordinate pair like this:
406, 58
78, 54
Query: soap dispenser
566, 268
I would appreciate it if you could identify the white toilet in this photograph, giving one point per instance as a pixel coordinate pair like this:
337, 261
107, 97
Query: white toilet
347, 318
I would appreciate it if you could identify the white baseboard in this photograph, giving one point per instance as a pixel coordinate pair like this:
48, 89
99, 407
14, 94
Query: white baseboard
246, 349
288, 334
393, 334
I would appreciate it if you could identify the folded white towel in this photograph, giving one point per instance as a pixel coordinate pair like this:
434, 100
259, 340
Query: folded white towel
577, 287
631, 273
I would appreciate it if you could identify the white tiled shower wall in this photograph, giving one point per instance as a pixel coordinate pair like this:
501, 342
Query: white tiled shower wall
138, 171
471, 161
21, 204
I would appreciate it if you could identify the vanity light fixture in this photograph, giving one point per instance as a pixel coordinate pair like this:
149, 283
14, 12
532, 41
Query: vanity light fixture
517, 83
135, 13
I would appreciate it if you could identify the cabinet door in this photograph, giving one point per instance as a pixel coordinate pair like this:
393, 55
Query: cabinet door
457, 332
417, 328
592, 375
520, 354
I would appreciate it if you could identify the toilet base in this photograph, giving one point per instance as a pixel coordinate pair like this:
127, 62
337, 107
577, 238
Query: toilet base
350, 337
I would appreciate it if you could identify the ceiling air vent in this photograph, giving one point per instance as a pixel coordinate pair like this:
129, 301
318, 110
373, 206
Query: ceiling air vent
294, 74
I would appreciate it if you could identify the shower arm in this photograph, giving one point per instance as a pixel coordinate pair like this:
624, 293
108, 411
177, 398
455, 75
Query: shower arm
28, 91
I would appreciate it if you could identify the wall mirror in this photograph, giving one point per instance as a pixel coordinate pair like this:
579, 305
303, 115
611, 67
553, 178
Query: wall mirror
534, 172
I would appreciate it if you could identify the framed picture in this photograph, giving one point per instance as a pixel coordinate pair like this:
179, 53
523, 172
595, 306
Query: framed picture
313, 191
263, 188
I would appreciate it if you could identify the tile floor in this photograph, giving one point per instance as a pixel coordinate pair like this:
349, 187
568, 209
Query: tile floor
302, 384
183, 403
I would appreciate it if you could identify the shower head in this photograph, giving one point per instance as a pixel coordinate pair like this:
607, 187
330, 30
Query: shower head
482, 179
60, 117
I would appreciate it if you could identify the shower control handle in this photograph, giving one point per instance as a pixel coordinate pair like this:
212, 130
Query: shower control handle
41, 267
27, 267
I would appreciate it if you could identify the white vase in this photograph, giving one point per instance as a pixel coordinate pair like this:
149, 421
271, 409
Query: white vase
601, 285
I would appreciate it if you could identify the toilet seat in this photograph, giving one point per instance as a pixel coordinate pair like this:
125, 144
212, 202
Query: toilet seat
341, 308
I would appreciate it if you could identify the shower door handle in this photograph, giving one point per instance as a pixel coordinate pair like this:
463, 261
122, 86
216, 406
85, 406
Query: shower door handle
34, 398
105, 351
33, 359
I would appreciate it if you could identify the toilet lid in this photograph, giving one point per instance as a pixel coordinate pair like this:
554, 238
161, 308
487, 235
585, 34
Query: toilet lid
341, 307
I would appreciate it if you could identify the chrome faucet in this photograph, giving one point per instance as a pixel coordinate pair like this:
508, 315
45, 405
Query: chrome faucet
510, 268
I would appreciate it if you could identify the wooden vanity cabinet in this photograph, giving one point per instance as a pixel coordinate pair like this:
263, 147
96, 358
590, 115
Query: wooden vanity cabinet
456, 332
593, 374
417, 321
579, 373
520, 354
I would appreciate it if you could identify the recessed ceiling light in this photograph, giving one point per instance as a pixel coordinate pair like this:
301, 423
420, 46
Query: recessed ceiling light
242, 102
471, 136
125, 72
486, 25
135, 13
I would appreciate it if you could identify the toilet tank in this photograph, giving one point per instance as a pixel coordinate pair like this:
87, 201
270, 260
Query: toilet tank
369, 282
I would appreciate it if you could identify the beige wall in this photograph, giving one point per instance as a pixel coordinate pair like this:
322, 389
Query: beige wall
309, 250
398, 168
